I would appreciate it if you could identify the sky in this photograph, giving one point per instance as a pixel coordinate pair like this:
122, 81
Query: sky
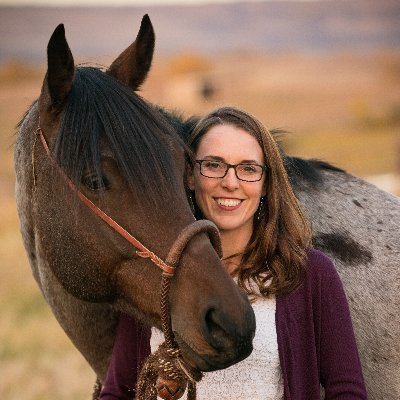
115, 2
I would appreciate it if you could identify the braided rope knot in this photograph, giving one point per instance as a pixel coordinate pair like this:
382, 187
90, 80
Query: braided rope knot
166, 375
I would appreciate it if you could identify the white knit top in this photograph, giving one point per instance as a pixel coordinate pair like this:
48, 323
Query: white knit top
258, 376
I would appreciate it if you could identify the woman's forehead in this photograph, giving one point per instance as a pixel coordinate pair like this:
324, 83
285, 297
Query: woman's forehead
229, 141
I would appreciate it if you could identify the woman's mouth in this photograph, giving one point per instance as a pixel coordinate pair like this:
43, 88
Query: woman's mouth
228, 204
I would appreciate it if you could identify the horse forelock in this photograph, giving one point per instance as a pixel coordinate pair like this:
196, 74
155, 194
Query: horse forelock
139, 136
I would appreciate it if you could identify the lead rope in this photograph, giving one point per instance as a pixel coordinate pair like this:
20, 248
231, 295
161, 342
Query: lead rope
165, 373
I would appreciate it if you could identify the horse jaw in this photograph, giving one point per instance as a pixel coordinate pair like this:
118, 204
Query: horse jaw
133, 64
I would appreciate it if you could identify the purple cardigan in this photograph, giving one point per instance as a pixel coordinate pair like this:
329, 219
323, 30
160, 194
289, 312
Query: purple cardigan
316, 342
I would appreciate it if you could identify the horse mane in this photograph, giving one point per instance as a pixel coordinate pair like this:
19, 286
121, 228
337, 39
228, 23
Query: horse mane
139, 136
307, 171
182, 126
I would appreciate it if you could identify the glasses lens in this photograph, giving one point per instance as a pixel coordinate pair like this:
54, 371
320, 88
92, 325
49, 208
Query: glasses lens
212, 169
249, 172
218, 169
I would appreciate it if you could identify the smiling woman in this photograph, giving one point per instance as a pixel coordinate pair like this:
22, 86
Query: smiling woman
230, 134
304, 335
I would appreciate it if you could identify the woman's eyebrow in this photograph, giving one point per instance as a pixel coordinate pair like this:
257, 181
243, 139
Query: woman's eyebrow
250, 162
211, 157
218, 158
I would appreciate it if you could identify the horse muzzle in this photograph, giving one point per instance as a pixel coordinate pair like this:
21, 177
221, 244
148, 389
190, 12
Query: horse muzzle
225, 348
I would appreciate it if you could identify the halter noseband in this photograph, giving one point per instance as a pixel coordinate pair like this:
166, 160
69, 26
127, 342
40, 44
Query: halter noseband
168, 267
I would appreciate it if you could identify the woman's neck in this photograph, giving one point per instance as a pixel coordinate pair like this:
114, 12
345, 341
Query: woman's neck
234, 242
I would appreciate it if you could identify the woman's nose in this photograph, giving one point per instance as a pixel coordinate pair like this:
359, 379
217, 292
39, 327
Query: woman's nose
230, 180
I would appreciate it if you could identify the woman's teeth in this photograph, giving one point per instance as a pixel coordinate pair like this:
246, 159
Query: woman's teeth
228, 202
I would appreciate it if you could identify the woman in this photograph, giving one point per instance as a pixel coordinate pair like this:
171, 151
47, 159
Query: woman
304, 334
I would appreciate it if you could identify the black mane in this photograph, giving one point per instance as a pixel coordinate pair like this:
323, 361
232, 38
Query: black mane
139, 135
309, 172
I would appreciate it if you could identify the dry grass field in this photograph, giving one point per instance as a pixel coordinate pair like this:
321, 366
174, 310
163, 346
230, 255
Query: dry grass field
342, 108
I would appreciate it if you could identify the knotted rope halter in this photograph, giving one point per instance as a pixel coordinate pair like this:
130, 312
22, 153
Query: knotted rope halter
165, 373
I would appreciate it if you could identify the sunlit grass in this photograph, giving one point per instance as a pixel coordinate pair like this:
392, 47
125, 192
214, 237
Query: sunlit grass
358, 150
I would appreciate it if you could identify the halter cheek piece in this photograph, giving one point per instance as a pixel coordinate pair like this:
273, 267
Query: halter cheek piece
168, 267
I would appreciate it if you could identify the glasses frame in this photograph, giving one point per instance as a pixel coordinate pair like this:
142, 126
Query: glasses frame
229, 166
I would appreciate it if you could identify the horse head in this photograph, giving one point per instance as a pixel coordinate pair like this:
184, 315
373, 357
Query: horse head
123, 154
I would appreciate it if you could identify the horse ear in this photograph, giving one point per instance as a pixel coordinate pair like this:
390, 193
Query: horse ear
133, 64
60, 67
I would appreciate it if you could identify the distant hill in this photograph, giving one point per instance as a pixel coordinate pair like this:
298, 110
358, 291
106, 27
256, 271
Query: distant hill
309, 26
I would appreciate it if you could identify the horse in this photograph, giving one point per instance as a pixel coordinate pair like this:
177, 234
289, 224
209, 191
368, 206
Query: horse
89, 135
354, 222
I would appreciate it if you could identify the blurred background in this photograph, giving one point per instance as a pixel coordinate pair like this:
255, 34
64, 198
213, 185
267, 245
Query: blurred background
328, 72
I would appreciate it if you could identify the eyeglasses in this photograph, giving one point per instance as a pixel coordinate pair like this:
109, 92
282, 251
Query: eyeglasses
219, 169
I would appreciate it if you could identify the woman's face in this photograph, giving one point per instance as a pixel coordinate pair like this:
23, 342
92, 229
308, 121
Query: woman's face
229, 202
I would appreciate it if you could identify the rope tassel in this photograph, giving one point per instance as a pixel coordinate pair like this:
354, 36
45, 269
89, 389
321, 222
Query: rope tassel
162, 376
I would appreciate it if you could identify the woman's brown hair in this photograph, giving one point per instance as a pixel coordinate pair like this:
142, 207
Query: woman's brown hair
275, 256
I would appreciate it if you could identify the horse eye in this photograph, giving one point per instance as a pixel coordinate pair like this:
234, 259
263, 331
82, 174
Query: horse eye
95, 182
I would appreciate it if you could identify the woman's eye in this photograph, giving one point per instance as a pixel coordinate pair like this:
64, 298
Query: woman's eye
212, 165
95, 183
249, 169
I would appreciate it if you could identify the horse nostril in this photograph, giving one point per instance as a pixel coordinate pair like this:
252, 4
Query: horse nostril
213, 330
229, 334
225, 336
